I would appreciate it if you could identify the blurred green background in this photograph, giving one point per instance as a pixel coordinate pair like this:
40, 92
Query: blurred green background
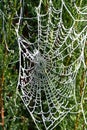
16, 116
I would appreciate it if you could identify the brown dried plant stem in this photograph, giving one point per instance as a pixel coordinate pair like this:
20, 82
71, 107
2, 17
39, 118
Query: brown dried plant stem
1, 101
2, 79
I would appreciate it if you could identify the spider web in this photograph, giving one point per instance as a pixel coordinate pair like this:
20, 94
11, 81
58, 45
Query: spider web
50, 64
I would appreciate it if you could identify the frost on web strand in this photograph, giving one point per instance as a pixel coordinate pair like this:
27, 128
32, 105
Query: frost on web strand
50, 63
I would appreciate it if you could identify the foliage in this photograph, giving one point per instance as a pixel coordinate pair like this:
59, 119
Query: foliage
16, 115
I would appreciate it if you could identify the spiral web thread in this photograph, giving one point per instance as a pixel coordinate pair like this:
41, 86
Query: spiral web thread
49, 67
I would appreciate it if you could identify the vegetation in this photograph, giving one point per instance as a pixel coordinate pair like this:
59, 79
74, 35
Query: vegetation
15, 115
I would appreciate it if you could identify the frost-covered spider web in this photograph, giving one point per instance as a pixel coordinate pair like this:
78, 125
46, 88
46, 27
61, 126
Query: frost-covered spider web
50, 63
